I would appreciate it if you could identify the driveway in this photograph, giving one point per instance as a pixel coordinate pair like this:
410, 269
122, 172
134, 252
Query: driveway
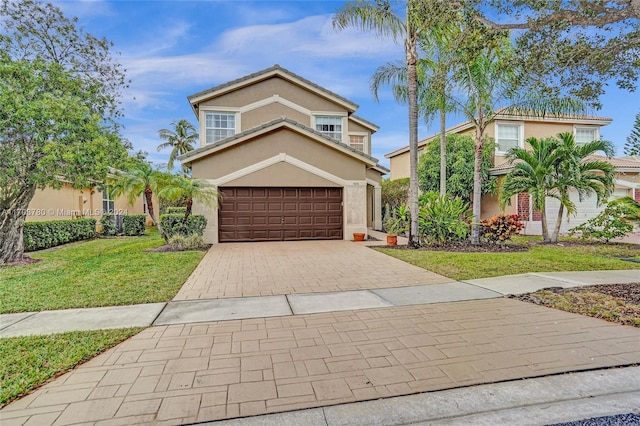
274, 268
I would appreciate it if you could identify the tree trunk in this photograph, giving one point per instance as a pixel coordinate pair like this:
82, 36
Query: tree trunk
12, 215
443, 153
187, 211
545, 228
477, 188
148, 194
556, 231
412, 85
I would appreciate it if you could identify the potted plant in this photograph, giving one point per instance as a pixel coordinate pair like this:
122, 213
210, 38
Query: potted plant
358, 236
393, 226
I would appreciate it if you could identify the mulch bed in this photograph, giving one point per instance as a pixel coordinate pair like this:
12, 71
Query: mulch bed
467, 248
629, 293
167, 248
26, 260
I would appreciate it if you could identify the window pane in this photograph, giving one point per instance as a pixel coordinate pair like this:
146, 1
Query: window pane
330, 126
219, 126
585, 135
357, 142
508, 137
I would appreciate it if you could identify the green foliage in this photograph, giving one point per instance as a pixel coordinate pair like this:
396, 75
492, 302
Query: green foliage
460, 163
632, 146
109, 227
631, 209
175, 224
608, 225
501, 228
443, 220
191, 242
178, 187
42, 235
398, 221
181, 140
175, 210
29, 361
395, 193
134, 224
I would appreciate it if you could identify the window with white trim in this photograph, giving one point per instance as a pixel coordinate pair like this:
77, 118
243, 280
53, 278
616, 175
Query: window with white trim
330, 126
508, 136
108, 204
584, 135
219, 125
357, 142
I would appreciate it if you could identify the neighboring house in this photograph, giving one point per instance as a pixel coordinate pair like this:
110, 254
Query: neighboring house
510, 131
71, 203
291, 159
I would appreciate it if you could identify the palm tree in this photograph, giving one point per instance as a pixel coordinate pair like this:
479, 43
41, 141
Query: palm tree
533, 173
576, 170
139, 179
378, 16
179, 187
181, 140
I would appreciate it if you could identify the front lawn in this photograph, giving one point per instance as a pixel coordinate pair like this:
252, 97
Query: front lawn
101, 272
569, 256
28, 362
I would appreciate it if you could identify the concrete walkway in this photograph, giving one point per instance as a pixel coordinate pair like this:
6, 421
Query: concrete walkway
193, 311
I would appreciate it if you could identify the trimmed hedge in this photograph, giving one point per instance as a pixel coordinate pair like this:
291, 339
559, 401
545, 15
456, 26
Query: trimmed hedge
109, 226
173, 224
42, 235
176, 210
134, 224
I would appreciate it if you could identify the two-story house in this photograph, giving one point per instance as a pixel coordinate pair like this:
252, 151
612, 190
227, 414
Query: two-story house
290, 158
509, 131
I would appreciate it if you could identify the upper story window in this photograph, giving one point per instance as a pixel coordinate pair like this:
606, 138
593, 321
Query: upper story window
508, 136
219, 125
108, 204
357, 142
330, 126
585, 135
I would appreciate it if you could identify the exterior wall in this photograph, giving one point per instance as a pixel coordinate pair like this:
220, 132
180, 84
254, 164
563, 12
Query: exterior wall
258, 116
356, 128
282, 174
281, 141
399, 166
274, 86
70, 203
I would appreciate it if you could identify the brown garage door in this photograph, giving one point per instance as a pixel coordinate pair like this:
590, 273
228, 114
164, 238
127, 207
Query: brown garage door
280, 214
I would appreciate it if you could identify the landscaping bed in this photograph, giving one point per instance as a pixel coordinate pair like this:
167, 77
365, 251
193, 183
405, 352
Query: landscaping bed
618, 303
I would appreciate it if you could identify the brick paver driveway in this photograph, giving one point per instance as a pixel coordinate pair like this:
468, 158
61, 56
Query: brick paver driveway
264, 269
198, 372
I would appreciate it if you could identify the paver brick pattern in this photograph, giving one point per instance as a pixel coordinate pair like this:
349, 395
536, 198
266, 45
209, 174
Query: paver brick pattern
201, 372
264, 269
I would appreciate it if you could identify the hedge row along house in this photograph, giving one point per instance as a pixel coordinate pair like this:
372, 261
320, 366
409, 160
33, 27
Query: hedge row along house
509, 131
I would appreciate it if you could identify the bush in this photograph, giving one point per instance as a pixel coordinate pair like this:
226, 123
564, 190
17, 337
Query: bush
175, 210
174, 224
134, 224
191, 242
443, 220
609, 224
42, 235
108, 222
501, 228
394, 194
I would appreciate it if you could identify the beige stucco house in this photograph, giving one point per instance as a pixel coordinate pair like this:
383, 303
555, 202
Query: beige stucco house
291, 159
510, 131
68, 202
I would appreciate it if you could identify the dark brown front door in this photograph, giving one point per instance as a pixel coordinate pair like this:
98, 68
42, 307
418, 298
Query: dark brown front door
280, 214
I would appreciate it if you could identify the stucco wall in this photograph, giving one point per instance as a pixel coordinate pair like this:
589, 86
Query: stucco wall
258, 116
271, 144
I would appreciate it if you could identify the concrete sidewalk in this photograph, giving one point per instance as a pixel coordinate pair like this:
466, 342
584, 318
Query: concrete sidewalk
193, 311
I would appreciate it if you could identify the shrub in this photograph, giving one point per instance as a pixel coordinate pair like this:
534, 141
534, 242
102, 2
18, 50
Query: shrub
174, 224
609, 224
191, 242
108, 222
134, 224
398, 221
175, 210
42, 235
501, 228
394, 194
442, 220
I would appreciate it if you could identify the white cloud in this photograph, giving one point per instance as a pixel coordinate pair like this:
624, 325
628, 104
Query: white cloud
85, 9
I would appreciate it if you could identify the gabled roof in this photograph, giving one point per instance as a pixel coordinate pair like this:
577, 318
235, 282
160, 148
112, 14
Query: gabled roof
265, 74
366, 123
621, 164
502, 116
273, 125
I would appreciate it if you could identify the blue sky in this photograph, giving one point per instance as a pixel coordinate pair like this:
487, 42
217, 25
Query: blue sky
172, 49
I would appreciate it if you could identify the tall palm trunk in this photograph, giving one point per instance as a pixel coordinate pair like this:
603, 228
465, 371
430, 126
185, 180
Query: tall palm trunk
545, 227
148, 195
12, 216
477, 189
556, 230
412, 86
443, 152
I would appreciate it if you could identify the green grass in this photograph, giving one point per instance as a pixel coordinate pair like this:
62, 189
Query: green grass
540, 258
101, 272
28, 362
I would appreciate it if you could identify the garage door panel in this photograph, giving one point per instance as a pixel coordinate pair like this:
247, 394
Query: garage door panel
275, 214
